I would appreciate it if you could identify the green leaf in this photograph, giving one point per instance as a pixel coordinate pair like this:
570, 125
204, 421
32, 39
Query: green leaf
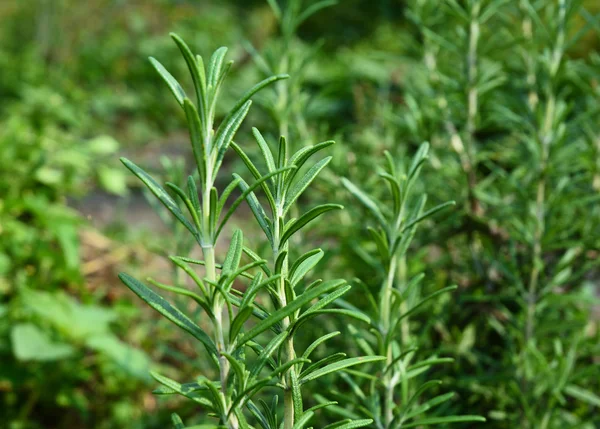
248, 196
338, 366
184, 292
366, 201
302, 421
286, 311
257, 209
326, 300
395, 190
275, 8
177, 422
295, 192
196, 68
226, 133
427, 405
193, 193
248, 94
30, 343
428, 213
265, 150
226, 193
234, 255
303, 265
349, 424
583, 395
312, 9
214, 67
252, 168
442, 420
417, 306
239, 320
306, 218
266, 353
170, 312
196, 138
317, 343
302, 155
188, 203
418, 160
174, 86
161, 194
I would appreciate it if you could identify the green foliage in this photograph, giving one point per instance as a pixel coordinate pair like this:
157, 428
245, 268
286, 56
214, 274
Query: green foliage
447, 315
240, 380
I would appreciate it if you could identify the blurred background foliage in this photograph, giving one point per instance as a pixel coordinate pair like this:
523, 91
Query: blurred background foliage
76, 90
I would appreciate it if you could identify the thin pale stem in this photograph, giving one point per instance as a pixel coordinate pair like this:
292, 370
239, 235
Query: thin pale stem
208, 250
388, 382
289, 412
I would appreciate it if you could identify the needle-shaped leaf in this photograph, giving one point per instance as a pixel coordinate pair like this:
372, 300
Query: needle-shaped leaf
443, 420
169, 311
193, 194
338, 366
266, 353
247, 194
214, 67
302, 421
226, 133
177, 422
428, 213
174, 86
317, 343
234, 254
312, 9
264, 149
257, 175
417, 306
196, 138
294, 193
334, 357
226, 193
161, 194
184, 292
301, 156
178, 388
306, 218
418, 160
395, 190
350, 424
239, 320
186, 200
257, 209
196, 69
303, 265
366, 201
289, 309
326, 300
428, 405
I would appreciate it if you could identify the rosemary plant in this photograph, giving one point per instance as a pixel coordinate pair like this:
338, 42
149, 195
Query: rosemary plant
239, 379
288, 104
394, 398
525, 186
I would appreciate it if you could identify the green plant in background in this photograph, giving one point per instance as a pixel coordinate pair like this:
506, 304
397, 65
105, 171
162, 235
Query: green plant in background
395, 398
45, 159
288, 104
518, 143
